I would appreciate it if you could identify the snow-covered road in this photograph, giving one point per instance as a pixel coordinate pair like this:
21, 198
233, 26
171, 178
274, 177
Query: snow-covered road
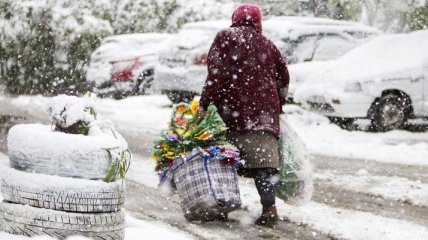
367, 185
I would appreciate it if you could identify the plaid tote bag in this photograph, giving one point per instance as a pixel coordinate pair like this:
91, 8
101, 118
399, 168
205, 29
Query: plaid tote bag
206, 187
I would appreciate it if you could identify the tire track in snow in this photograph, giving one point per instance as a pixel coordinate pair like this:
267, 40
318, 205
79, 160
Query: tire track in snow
349, 224
350, 166
343, 198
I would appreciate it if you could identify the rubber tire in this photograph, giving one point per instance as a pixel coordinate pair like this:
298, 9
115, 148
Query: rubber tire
119, 95
144, 82
34, 148
180, 96
394, 100
344, 123
50, 192
30, 221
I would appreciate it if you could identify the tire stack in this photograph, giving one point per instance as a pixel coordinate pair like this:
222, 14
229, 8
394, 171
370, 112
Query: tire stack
38, 202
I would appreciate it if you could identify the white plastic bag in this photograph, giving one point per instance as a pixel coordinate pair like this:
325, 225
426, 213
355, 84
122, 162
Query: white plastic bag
295, 184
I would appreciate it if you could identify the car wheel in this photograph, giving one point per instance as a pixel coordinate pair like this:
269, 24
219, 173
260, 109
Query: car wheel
144, 82
118, 95
180, 96
344, 123
390, 112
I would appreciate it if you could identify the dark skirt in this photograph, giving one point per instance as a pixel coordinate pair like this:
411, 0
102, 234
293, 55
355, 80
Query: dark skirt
257, 149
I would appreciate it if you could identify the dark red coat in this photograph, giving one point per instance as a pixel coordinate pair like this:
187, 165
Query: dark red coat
247, 77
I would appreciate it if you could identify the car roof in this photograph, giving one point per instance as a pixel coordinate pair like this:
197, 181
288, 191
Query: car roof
311, 20
209, 25
395, 50
392, 54
136, 37
293, 27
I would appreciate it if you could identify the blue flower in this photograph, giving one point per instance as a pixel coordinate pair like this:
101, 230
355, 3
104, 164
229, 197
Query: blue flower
173, 138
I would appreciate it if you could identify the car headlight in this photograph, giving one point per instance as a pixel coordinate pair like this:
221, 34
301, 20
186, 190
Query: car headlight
353, 87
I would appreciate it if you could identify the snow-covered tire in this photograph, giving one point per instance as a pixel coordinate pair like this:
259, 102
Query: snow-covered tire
390, 112
60, 193
36, 148
30, 221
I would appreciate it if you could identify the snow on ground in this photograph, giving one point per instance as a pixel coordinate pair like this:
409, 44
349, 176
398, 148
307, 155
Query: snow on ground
397, 188
324, 138
137, 116
337, 222
143, 114
349, 224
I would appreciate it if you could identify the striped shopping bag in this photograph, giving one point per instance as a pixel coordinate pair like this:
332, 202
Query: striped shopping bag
206, 187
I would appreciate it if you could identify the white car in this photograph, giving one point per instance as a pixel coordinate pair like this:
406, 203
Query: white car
384, 80
182, 68
306, 39
123, 64
299, 72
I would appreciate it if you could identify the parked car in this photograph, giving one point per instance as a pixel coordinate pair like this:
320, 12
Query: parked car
123, 64
299, 72
384, 80
182, 69
317, 39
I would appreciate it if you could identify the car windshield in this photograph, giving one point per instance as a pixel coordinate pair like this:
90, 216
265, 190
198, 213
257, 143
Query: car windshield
190, 38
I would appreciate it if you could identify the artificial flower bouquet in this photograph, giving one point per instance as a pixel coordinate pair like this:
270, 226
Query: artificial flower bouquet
195, 161
192, 128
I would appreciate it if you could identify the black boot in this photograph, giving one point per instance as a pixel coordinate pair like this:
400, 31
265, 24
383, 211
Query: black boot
269, 217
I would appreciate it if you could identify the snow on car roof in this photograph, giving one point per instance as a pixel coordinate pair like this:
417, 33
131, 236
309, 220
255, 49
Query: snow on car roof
195, 34
384, 54
293, 27
127, 46
210, 25
136, 37
397, 55
312, 20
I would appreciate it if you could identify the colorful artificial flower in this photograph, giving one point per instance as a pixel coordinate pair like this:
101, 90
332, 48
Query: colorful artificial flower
188, 130
181, 121
194, 107
181, 109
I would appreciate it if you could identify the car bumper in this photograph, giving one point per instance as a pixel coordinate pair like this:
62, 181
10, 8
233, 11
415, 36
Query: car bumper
347, 105
98, 73
180, 78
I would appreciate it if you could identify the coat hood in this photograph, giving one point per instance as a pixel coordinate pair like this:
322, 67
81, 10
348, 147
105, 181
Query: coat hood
247, 14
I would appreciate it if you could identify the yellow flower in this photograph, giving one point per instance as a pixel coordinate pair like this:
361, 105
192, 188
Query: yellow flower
186, 135
179, 131
165, 147
204, 136
169, 155
181, 109
194, 107
153, 157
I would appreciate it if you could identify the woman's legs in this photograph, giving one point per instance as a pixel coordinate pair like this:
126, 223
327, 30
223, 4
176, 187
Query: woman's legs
266, 183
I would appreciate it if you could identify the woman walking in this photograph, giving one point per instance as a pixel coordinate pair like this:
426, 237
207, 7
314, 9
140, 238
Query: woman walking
248, 81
